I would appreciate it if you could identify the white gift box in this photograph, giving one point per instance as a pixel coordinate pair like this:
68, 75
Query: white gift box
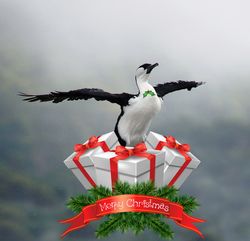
173, 160
132, 170
86, 159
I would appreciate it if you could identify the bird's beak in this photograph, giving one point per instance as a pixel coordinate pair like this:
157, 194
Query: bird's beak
151, 67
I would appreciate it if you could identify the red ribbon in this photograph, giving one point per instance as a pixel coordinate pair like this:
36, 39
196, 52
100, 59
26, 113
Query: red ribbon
80, 149
123, 153
182, 149
132, 203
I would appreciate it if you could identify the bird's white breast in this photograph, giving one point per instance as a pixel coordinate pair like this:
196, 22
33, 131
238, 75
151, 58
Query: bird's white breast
137, 117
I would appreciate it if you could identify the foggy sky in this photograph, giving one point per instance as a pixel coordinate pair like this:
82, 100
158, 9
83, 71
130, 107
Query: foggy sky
101, 43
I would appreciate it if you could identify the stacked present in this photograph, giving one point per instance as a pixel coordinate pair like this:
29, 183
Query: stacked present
102, 161
81, 163
179, 162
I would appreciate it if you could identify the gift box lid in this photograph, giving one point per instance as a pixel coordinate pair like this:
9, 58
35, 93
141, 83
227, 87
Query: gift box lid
110, 138
85, 159
132, 166
173, 157
153, 138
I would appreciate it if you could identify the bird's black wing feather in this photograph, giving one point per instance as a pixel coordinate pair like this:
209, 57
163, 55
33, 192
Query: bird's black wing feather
168, 87
80, 94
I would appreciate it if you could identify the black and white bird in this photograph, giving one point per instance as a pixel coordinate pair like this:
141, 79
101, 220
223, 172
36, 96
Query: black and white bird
137, 110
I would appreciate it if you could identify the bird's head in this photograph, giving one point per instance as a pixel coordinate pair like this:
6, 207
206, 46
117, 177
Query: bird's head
143, 72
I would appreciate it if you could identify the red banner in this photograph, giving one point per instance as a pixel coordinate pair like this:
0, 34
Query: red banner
132, 203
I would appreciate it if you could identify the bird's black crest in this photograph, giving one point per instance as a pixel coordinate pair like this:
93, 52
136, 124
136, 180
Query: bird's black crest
145, 66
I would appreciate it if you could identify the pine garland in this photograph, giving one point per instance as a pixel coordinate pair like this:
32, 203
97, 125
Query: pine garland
133, 221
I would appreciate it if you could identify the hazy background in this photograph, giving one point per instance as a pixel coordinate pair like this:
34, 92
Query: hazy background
51, 45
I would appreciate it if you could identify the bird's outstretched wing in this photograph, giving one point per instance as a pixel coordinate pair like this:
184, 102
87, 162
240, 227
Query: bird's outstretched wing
168, 87
80, 94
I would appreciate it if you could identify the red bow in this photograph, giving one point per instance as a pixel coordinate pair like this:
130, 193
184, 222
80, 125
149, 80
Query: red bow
80, 149
181, 148
123, 153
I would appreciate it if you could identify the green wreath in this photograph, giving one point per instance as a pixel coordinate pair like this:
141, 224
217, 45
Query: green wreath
136, 222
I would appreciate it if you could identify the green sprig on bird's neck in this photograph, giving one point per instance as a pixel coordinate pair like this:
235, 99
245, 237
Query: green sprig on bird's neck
132, 221
148, 92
